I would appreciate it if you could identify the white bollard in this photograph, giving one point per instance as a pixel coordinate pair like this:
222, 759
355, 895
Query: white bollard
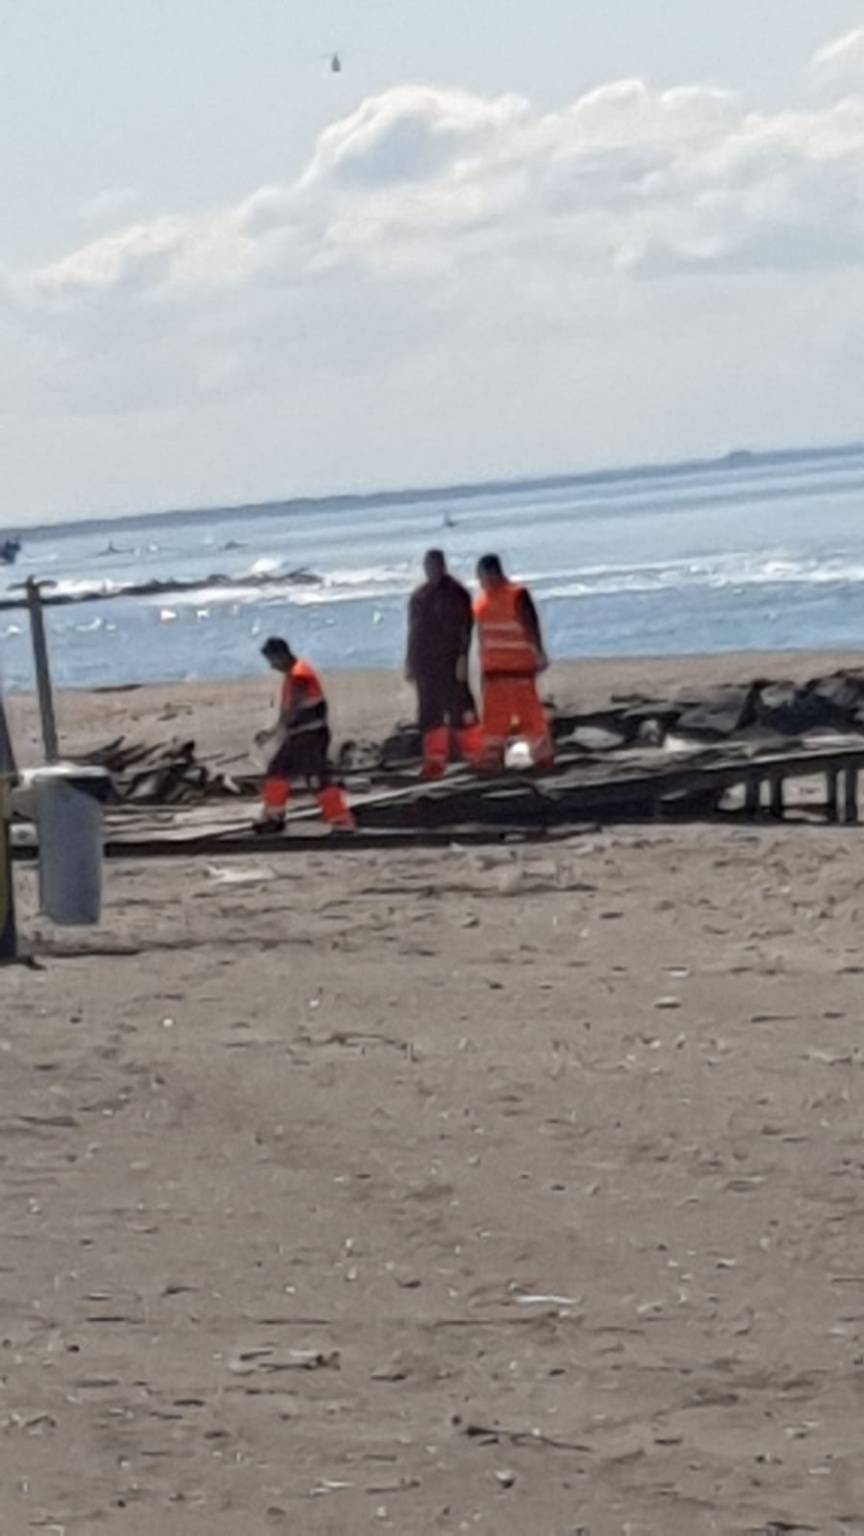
69, 819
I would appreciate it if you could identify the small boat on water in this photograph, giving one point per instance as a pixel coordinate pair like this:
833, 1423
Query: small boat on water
10, 549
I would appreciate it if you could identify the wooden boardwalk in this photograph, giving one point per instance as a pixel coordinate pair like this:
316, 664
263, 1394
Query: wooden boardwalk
620, 787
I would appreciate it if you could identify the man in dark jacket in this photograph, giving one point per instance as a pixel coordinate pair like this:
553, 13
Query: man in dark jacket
440, 625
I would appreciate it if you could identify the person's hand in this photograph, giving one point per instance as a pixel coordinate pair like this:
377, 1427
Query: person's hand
462, 669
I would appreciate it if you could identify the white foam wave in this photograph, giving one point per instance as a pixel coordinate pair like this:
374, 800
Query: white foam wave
205, 597
340, 586
723, 572
85, 586
376, 583
267, 565
374, 576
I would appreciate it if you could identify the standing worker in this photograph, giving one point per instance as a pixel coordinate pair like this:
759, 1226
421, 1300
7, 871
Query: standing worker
301, 742
440, 623
511, 658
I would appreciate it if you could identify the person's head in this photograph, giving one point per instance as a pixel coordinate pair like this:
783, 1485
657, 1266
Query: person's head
490, 572
278, 653
434, 565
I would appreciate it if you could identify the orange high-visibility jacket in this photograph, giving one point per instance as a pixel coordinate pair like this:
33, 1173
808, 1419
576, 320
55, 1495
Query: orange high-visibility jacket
304, 708
506, 648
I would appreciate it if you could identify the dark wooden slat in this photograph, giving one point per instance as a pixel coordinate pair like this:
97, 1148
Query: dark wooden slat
471, 809
850, 794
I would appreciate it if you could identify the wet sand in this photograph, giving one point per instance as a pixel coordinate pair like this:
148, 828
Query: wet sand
503, 1192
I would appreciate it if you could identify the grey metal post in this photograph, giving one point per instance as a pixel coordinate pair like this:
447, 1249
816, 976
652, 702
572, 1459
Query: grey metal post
43, 671
8, 934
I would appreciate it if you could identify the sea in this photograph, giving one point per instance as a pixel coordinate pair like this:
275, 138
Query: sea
754, 551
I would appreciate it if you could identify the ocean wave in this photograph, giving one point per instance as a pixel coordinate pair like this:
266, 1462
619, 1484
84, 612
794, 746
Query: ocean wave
342, 586
86, 586
376, 576
722, 572
261, 585
297, 597
378, 583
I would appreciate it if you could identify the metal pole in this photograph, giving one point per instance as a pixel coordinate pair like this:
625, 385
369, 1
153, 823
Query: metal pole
8, 935
43, 671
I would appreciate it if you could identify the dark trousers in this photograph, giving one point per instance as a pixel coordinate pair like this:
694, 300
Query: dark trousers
443, 700
304, 756
447, 717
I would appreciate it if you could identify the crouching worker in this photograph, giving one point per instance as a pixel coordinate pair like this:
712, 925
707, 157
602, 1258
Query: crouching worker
300, 743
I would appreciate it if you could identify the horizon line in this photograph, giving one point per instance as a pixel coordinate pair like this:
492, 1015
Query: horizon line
740, 458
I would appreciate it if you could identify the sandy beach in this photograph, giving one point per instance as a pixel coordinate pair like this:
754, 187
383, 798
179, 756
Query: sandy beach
502, 1191
223, 717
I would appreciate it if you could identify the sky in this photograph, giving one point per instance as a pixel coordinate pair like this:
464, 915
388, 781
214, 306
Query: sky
506, 240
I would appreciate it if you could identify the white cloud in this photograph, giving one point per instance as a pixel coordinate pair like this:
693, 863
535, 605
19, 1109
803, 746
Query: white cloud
434, 230
629, 178
410, 134
840, 64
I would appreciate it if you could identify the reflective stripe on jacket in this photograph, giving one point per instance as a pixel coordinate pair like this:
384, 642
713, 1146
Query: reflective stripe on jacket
304, 708
506, 647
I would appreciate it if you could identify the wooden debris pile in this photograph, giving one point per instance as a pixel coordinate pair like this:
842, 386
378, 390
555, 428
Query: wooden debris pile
403, 748
757, 715
170, 773
756, 712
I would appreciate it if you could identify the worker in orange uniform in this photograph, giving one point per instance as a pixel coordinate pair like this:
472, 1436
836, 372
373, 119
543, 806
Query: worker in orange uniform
301, 742
511, 658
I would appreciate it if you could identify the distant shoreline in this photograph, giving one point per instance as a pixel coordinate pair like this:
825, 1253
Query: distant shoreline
734, 461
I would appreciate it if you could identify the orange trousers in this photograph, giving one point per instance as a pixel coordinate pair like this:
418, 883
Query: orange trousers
332, 801
439, 744
512, 707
